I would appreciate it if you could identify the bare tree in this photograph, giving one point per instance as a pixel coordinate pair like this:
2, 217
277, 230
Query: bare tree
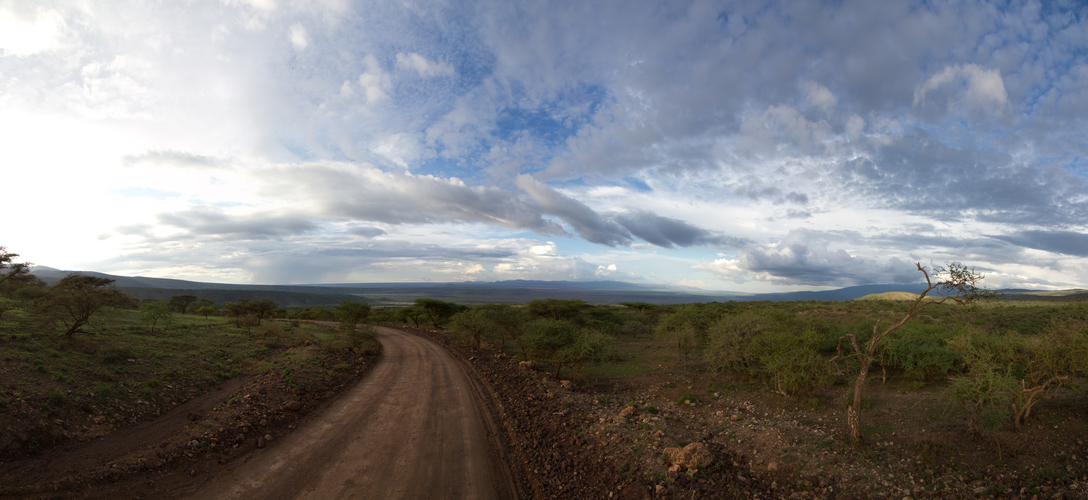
957, 283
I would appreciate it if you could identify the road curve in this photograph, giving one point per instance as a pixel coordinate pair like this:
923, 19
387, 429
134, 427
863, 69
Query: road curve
414, 427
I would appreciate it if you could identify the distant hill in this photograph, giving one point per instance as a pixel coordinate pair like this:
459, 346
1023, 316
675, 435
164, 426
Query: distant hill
848, 293
890, 296
511, 292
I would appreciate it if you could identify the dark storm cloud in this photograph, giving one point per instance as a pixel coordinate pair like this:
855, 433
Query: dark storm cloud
667, 233
1063, 242
587, 223
204, 221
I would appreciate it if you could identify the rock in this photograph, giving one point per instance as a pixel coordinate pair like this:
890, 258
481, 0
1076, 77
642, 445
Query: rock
294, 405
659, 489
566, 384
268, 437
261, 442
772, 466
692, 456
527, 365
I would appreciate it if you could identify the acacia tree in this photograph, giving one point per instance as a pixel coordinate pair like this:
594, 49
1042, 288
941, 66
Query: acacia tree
12, 270
957, 283
181, 303
473, 325
76, 298
438, 311
154, 311
351, 314
261, 308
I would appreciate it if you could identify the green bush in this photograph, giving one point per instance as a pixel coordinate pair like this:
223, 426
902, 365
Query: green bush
114, 355
773, 349
921, 351
362, 336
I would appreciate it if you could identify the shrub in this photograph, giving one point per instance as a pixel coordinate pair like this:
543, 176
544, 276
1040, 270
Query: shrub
921, 351
114, 355
270, 329
363, 336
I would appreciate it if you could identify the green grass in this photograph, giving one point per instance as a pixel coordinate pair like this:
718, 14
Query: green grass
118, 361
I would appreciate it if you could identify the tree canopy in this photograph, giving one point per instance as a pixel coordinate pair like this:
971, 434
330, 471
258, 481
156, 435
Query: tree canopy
76, 298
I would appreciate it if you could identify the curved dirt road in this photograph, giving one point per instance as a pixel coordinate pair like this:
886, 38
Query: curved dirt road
414, 427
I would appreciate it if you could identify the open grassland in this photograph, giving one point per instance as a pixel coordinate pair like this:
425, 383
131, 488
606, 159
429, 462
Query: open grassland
117, 372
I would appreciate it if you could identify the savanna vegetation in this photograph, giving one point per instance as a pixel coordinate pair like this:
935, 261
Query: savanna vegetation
994, 359
82, 354
982, 368
955, 376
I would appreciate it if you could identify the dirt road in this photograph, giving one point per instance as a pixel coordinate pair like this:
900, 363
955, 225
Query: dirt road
414, 427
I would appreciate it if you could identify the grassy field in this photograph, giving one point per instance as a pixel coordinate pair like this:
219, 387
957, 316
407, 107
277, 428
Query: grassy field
119, 372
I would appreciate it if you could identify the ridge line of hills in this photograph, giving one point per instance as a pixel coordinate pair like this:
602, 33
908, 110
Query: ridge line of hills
512, 291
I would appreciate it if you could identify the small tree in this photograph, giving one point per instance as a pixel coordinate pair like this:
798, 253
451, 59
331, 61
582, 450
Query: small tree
351, 314
411, 314
569, 310
181, 303
510, 321
261, 308
206, 311
473, 325
549, 339
76, 298
437, 311
957, 283
154, 311
12, 270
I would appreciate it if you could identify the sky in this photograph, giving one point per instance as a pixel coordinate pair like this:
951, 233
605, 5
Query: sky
735, 145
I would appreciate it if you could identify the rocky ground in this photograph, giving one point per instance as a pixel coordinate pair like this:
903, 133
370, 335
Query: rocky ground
643, 438
636, 438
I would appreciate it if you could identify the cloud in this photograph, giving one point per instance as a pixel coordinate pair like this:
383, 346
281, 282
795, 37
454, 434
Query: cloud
297, 35
1062, 242
217, 223
965, 88
376, 84
818, 95
365, 231
423, 67
24, 32
666, 232
783, 129
172, 158
806, 258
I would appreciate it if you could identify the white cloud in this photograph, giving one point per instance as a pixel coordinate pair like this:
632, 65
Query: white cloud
608, 271
298, 38
425, 68
376, 83
22, 34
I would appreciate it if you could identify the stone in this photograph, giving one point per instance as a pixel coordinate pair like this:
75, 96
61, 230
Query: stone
294, 405
692, 456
